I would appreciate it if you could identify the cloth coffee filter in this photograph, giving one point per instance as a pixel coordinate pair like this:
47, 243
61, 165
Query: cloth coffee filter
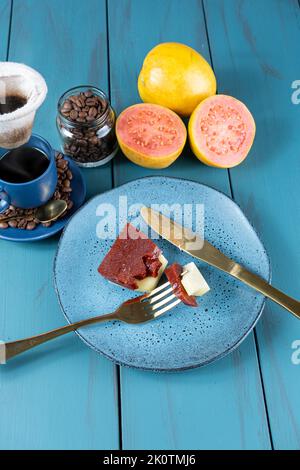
19, 80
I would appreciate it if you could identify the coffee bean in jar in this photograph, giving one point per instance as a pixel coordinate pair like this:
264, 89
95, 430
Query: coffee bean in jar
86, 123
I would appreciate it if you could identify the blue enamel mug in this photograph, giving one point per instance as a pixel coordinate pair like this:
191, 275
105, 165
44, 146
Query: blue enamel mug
33, 193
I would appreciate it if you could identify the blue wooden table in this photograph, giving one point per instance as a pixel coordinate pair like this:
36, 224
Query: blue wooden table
65, 396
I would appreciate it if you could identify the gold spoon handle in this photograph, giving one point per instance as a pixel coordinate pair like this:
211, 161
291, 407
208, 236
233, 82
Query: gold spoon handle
259, 284
15, 348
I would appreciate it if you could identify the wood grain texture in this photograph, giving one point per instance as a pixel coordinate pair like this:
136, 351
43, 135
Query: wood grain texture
5, 8
62, 396
220, 406
254, 46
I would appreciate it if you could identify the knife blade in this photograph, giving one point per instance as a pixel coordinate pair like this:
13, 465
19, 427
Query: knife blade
189, 242
186, 240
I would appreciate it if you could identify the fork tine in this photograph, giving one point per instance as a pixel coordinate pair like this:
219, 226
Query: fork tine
160, 296
158, 289
165, 309
162, 302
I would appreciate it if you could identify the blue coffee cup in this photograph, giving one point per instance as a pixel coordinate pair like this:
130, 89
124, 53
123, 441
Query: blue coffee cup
33, 193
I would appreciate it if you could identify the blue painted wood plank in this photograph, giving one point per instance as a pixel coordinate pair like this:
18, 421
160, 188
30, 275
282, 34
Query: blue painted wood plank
254, 53
220, 406
5, 7
63, 396
145, 27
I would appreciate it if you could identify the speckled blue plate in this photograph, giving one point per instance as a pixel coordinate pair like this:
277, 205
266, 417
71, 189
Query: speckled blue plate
186, 337
40, 232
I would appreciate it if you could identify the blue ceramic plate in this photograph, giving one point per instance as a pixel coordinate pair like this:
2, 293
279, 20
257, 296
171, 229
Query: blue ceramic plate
78, 197
187, 337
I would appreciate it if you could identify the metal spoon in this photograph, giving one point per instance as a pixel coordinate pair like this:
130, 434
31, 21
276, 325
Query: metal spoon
44, 214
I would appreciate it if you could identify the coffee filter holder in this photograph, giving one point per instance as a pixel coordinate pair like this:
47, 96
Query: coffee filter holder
19, 80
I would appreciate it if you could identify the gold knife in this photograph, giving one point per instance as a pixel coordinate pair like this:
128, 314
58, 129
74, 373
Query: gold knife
192, 244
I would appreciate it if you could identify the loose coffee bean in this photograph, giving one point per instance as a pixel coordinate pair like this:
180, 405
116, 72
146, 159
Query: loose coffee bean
67, 106
91, 102
93, 140
82, 99
12, 223
30, 226
93, 112
66, 190
73, 115
73, 99
22, 223
82, 142
62, 164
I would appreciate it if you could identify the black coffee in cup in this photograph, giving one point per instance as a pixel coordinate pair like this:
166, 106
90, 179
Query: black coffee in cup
9, 104
23, 165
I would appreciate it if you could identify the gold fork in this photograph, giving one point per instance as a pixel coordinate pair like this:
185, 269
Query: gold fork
141, 309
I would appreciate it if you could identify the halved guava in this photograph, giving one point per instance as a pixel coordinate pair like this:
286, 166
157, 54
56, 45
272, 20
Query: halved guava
150, 135
221, 131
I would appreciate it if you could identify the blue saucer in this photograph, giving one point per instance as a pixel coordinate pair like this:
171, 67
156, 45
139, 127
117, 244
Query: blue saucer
186, 337
39, 233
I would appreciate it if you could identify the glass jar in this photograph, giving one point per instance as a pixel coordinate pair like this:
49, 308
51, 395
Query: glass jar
86, 124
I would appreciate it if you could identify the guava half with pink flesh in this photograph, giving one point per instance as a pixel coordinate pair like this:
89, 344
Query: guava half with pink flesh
221, 131
150, 135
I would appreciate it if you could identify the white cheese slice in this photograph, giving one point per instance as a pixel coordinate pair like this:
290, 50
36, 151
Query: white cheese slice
193, 281
149, 283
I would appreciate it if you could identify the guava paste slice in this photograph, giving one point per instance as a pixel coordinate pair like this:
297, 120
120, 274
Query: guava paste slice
132, 257
151, 129
173, 274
